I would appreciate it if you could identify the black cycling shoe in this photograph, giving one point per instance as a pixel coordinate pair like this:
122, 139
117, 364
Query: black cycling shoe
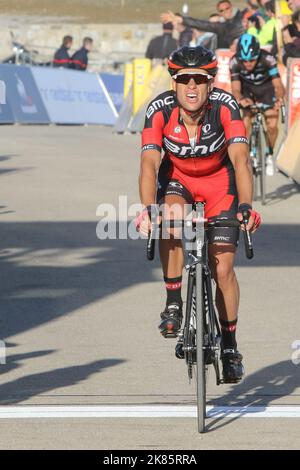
233, 369
171, 319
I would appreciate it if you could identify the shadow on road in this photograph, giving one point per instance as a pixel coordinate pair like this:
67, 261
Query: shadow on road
24, 388
259, 389
51, 269
15, 361
282, 193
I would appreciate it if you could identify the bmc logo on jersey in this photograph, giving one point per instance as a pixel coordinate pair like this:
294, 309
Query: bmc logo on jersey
206, 128
158, 104
187, 151
215, 95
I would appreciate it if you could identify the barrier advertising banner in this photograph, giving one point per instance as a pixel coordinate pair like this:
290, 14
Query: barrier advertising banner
222, 79
141, 71
6, 114
128, 78
115, 87
73, 97
158, 81
22, 95
293, 100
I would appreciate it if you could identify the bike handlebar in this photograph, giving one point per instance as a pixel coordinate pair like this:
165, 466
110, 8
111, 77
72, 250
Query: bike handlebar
216, 223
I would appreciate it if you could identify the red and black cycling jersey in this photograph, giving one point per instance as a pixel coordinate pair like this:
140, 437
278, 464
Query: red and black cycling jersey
220, 126
265, 70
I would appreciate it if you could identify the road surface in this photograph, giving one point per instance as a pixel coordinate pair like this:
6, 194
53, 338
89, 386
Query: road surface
79, 315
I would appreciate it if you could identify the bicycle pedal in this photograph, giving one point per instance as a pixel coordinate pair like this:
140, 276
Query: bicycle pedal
169, 334
179, 351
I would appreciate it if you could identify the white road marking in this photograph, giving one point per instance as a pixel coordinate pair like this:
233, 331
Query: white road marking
128, 411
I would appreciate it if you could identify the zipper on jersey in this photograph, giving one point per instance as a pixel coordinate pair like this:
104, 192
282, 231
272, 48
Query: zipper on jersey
197, 135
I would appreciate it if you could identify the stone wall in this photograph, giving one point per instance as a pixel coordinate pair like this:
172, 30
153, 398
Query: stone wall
113, 42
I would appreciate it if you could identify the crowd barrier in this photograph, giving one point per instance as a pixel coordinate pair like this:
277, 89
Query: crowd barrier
114, 84
141, 85
42, 95
23, 102
288, 160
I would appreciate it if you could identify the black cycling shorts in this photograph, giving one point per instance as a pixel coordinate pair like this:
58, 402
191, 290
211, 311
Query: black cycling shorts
264, 93
218, 192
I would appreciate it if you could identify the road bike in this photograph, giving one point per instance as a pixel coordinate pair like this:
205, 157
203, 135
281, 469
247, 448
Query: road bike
199, 341
260, 148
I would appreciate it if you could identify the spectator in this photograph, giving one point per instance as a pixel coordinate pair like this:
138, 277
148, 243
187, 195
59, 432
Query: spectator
206, 39
269, 29
185, 35
291, 37
61, 56
251, 9
261, 10
227, 31
79, 60
250, 13
265, 31
293, 4
215, 18
162, 46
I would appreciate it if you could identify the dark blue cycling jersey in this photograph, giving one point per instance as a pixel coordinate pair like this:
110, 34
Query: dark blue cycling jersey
265, 70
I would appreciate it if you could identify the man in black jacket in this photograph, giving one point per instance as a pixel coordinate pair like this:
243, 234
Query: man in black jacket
291, 38
162, 46
61, 56
227, 31
79, 60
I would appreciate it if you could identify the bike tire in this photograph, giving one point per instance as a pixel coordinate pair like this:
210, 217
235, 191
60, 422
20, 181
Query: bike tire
255, 184
200, 366
212, 329
253, 146
262, 152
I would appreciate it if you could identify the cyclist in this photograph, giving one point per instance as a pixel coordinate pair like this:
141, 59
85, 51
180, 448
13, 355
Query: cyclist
206, 157
255, 77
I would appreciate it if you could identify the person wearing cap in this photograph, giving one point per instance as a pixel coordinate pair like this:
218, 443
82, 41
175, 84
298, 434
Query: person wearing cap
161, 47
205, 158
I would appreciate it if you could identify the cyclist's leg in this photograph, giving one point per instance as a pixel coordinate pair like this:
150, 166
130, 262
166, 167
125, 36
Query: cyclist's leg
222, 248
227, 293
247, 118
271, 118
227, 301
173, 198
171, 256
170, 248
221, 201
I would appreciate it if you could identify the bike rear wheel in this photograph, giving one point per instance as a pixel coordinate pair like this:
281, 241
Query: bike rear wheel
261, 147
201, 371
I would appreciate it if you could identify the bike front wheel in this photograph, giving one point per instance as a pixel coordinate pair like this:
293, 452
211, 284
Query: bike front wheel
201, 382
262, 154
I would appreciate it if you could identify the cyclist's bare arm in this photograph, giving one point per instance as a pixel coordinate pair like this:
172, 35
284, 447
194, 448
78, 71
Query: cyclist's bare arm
278, 88
236, 88
239, 156
150, 162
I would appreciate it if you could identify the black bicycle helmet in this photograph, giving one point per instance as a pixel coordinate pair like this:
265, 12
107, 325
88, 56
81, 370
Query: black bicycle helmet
192, 58
248, 47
